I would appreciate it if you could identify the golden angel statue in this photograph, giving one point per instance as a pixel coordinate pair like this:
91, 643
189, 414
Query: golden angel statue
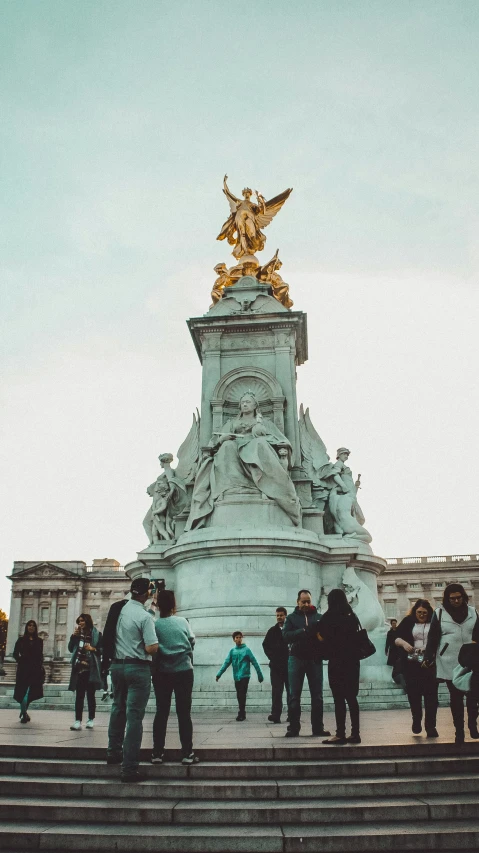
242, 229
269, 273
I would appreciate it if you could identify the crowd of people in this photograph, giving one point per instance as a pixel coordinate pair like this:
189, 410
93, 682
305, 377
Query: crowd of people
135, 651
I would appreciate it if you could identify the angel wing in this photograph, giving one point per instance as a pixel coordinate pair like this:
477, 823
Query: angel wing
271, 208
189, 452
232, 200
313, 450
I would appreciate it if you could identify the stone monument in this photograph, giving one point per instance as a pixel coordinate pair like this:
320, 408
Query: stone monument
255, 508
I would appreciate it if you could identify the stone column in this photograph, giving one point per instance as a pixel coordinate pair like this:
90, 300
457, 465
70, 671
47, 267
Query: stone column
52, 624
402, 600
36, 606
211, 351
285, 374
474, 599
74, 610
14, 620
105, 606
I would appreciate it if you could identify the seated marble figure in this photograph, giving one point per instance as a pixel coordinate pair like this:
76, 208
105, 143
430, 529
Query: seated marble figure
244, 459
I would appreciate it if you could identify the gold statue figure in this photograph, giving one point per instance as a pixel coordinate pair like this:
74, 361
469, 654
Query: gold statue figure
279, 287
224, 280
242, 229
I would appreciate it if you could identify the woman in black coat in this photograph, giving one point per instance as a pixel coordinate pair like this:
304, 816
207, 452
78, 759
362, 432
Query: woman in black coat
411, 640
86, 647
28, 653
338, 629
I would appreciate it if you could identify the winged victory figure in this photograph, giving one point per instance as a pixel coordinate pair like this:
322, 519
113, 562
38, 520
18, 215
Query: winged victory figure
333, 487
169, 491
242, 229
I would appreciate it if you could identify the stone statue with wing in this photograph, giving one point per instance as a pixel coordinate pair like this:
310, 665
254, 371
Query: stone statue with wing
169, 493
243, 227
333, 487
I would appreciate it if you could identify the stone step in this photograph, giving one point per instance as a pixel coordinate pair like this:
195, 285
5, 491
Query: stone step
425, 836
136, 809
85, 787
395, 769
297, 750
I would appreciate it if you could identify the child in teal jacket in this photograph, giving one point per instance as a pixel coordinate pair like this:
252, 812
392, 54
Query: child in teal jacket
240, 657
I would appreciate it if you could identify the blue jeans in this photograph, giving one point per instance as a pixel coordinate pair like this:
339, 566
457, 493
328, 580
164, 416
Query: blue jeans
313, 670
131, 684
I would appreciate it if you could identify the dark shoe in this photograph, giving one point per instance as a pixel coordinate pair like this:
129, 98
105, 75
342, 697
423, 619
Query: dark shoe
157, 757
292, 733
272, 719
190, 759
459, 739
132, 778
241, 718
322, 733
353, 739
432, 733
416, 727
114, 759
336, 741
472, 731
24, 718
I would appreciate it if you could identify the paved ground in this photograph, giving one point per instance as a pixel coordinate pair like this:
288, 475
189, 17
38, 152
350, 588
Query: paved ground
218, 729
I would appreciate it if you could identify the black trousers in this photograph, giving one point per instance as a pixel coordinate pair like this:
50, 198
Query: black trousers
241, 691
456, 701
84, 686
340, 700
421, 684
279, 682
164, 685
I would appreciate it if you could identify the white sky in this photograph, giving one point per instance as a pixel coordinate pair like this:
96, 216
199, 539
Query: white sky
119, 121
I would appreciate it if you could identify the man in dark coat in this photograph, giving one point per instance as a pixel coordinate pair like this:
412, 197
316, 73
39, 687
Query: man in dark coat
276, 651
391, 649
305, 659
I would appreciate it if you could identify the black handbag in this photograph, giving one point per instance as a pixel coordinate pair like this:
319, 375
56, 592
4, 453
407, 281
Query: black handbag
365, 647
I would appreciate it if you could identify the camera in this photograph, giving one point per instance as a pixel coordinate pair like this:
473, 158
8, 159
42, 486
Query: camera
417, 655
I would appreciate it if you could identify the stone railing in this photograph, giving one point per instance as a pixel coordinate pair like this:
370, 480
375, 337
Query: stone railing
453, 558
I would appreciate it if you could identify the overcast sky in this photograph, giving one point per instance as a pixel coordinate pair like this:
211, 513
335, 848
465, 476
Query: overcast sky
119, 120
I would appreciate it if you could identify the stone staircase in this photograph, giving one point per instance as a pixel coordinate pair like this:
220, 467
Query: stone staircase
277, 799
378, 696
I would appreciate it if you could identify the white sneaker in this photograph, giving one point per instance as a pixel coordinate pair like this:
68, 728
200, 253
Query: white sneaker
76, 727
90, 724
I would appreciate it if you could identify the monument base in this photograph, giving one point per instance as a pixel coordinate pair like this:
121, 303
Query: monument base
230, 579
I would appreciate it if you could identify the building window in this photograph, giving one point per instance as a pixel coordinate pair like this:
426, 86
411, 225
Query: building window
62, 616
59, 649
414, 586
439, 584
44, 615
27, 613
389, 587
390, 608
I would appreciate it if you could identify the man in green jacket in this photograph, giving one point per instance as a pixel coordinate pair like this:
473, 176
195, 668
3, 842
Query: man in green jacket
240, 657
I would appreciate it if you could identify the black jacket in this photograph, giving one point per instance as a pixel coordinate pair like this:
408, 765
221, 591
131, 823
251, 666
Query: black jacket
391, 649
275, 649
404, 632
109, 635
300, 631
469, 657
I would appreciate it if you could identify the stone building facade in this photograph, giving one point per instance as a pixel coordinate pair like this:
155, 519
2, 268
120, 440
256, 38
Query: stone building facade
54, 593
406, 579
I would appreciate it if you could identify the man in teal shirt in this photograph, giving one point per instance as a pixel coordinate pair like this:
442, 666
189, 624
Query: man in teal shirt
240, 657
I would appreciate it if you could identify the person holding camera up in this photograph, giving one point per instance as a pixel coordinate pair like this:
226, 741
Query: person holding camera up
85, 644
411, 640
